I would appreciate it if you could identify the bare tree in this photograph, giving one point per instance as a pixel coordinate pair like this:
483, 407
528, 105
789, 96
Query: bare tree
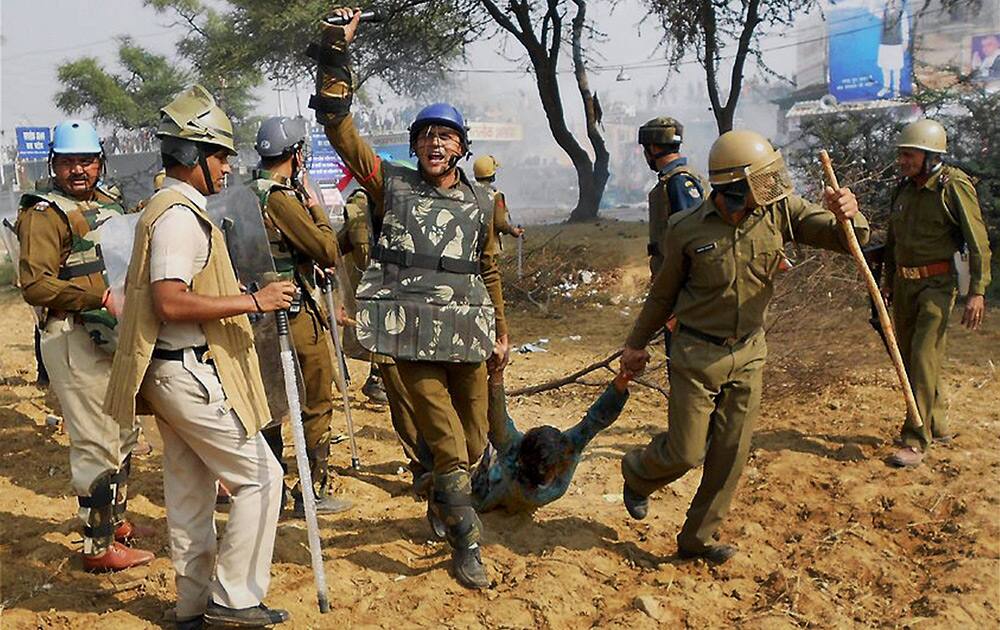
540, 28
710, 28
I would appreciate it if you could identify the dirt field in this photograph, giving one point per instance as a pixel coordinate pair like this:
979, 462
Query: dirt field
829, 536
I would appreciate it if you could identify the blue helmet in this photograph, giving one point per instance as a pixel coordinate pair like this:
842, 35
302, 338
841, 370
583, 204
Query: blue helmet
440, 114
75, 136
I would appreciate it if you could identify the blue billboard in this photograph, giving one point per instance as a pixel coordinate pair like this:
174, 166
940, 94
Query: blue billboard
869, 49
33, 142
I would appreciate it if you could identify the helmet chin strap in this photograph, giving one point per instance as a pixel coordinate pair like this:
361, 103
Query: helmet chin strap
206, 173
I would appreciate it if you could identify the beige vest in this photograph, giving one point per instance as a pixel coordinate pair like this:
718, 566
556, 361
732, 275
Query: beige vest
230, 340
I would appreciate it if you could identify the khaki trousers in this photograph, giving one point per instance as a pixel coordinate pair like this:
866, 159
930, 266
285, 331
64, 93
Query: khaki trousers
203, 440
714, 402
920, 311
401, 414
449, 405
78, 374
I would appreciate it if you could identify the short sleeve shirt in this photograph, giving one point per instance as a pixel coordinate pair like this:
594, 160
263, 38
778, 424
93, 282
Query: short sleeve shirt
178, 250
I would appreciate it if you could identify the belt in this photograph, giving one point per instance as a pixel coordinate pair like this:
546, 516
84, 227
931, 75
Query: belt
200, 353
424, 261
727, 342
925, 271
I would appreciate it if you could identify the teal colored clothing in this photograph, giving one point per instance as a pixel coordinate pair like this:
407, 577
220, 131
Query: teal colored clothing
495, 483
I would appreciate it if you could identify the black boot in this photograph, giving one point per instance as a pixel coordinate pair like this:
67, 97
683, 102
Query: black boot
451, 502
468, 568
259, 616
326, 503
636, 504
373, 388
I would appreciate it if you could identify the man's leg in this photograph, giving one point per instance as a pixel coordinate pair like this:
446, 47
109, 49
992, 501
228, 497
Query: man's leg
905, 309
313, 351
469, 395
427, 385
737, 408
401, 414
694, 385
245, 464
932, 307
79, 373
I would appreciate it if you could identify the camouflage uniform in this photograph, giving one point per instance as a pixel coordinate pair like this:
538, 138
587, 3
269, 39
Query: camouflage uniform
431, 296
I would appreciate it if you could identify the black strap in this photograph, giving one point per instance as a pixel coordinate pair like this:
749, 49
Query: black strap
327, 55
76, 271
452, 499
424, 261
652, 249
336, 105
713, 339
91, 503
178, 355
100, 531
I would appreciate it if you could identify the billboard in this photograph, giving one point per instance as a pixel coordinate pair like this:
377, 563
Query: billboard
869, 49
986, 57
33, 142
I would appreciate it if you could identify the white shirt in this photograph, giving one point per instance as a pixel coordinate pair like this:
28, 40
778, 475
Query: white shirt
178, 250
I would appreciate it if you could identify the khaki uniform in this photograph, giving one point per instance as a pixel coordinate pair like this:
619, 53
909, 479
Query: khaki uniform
501, 216
209, 407
301, 236
451, 378
927, 225
717, 279
355, 242
100, 449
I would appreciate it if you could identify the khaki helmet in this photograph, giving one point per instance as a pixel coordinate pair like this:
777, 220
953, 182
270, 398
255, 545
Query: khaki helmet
740, 155
925, 134
485, 167
158, 178
193, 116
661, 130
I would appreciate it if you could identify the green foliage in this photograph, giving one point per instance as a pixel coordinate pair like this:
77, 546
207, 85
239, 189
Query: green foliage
130, 99
418, 38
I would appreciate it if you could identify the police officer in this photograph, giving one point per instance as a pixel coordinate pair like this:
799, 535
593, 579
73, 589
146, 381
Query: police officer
485, 171
356, 241
301, 237
935, 212
187, 354
431, 297
678, 186
62, 276
720, 260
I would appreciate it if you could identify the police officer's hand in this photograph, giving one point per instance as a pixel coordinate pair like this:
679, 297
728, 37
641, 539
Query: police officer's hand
634, 360
501, 355
518, 231
351, 28
841, 202
975, 308
275, 296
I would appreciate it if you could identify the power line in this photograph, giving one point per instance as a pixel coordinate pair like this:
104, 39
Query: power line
45, 51
652, 64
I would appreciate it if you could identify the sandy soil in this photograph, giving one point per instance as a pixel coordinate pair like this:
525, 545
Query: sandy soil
828, 534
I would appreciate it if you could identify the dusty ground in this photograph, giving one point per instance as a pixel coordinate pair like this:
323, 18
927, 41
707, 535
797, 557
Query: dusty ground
828, 535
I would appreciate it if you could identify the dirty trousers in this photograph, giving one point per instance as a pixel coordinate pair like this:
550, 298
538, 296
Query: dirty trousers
78, 374
714, 402
449, 406
921, 309
401, 414
203, 441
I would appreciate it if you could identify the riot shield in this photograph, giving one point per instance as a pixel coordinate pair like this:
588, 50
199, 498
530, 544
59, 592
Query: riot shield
133, 174
236, 211
8, 237
117, 239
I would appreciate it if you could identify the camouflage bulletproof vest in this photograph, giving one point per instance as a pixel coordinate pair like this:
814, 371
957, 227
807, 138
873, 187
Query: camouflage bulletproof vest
422, 297
659, 202
84, 265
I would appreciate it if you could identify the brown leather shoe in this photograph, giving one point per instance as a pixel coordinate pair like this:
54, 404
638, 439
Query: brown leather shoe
116, 558
906, 457
129, 530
